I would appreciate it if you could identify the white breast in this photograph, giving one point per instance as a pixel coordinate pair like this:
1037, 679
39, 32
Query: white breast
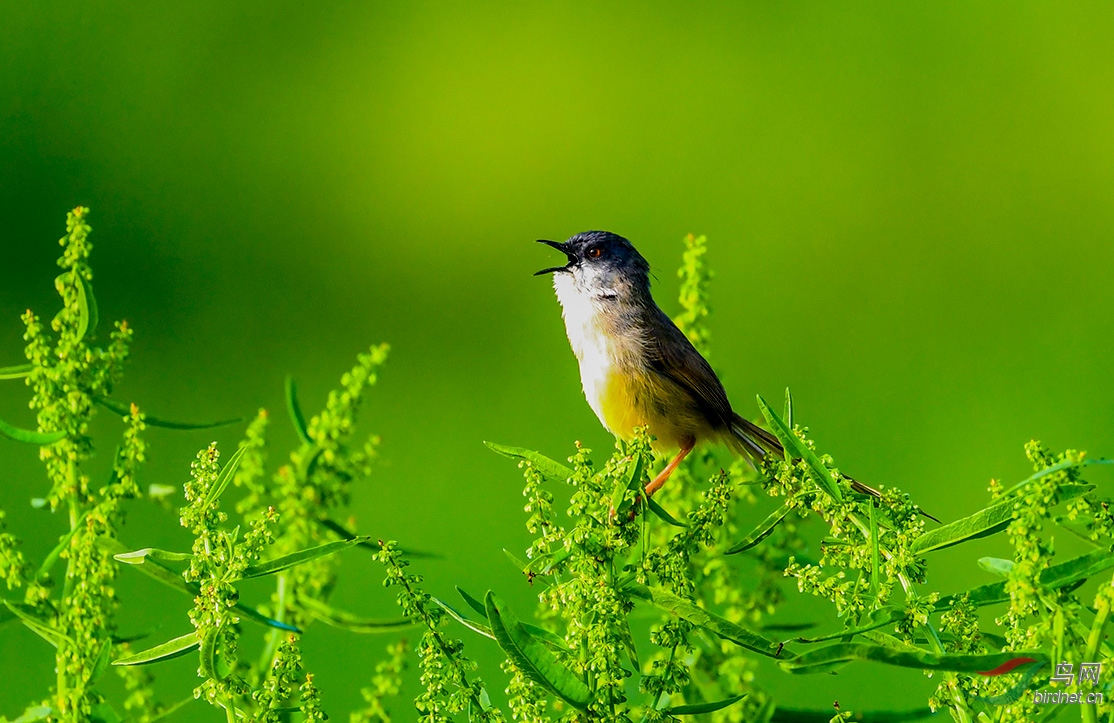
594, 350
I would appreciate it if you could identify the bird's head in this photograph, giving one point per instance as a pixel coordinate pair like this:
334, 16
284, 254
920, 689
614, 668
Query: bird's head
600, 264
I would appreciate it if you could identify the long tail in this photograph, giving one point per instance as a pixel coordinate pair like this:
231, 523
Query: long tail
755, 443
752, 441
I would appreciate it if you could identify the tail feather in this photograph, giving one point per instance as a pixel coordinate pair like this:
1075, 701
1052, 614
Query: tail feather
753, 441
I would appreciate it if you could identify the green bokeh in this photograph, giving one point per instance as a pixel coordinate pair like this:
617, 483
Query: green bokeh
910, 211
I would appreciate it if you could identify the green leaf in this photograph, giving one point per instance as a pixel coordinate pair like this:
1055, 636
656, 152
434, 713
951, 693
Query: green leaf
103, 659
171, 709
762, 531
698, 616
515, 561
37, 624
353, 623
158, 571
26, 435
831, 657
532, 657
295, 411
621, 497
170, 649
626, 635
297, 558
876, 619
374, 546
788, 415
996, 565
33, 714
138, 557
256, 616
472, 625
699, 708
103, 712
86, 307
225, 476
988, 521
875, 557
546, 636
548, 468
124, 410
1058, 467
473, 603
662, 514
52, 557
794, 447
207, 666
15, 372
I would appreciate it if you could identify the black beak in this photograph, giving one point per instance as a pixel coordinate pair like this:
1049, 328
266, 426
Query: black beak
563, 248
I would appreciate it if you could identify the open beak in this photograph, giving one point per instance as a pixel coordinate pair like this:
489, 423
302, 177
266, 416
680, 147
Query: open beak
563, 248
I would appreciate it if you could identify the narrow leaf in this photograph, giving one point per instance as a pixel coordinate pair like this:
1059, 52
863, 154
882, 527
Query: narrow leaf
662, 514
697, 615
548, 467
794, 447
207, 661
88, 315
515, 561
15, 372
63, 543
138, 557
1058, 467
788, 416
761, 532
295, 411
172, 709
876, 619
170, 649
621, 497
297, 558
996, 565
26, 435
472, 602
42, 627
831, 657
103, 712
480, 628
544, 635
353, 623
33, 714
124, 410
252, 614
103, 659
532, 657
875, 556
225, 476
700, 708
985, 522
374, 546
158, 571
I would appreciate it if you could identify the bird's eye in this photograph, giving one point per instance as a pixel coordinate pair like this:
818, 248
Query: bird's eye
595, 252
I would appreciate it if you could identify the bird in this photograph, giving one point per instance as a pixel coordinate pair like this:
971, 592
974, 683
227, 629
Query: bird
636, 367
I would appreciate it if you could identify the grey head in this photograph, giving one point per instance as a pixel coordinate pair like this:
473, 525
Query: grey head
602, 264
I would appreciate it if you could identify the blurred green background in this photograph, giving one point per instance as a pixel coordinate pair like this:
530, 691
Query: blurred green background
910, 210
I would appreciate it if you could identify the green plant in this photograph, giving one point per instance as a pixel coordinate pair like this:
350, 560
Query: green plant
603, 561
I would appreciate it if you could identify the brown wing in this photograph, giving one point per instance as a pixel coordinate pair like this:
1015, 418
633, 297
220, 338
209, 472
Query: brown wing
672, 355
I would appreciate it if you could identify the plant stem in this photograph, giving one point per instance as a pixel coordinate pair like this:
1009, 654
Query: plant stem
1102, 616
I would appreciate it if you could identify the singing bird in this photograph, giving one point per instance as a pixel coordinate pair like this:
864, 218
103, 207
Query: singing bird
637, 368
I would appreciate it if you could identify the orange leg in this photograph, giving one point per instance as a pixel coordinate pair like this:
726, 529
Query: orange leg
657, 482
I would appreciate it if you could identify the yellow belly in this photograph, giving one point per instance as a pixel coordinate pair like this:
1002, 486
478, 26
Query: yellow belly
620, 406
628, 398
